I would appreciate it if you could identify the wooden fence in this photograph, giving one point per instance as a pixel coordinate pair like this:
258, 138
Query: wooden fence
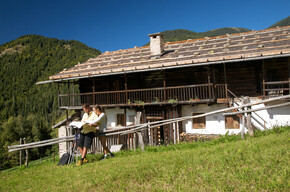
143, 133
276, 88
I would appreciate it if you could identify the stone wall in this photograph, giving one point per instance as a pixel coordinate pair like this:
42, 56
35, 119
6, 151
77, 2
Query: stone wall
62, 146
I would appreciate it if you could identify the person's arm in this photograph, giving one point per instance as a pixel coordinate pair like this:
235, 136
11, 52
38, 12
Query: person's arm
98, 120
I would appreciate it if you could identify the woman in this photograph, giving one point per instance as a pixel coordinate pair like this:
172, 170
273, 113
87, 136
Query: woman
101, 122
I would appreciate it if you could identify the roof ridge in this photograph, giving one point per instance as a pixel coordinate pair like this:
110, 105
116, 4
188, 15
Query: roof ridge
192, 40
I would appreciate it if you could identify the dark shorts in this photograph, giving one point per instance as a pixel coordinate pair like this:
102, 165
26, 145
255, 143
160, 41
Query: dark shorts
85, 140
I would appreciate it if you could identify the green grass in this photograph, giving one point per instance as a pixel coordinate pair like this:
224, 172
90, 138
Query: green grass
224, 164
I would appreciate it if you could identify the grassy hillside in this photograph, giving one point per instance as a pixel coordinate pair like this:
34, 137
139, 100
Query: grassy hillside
225, 164
283, 22
28, 110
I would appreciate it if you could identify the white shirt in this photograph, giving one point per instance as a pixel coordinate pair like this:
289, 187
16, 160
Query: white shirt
101, 121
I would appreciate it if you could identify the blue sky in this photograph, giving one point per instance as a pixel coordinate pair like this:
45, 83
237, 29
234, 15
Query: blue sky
110, 25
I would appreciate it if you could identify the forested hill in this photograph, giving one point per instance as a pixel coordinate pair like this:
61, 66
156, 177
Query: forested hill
182, 34
27, 110
283, 22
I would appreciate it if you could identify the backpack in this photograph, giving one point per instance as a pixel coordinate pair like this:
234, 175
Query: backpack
64, 159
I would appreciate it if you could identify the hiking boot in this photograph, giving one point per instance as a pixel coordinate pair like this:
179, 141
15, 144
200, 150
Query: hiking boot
85, 160
80, 162
105, 157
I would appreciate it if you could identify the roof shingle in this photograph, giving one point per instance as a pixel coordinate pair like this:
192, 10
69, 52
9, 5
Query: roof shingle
227, 47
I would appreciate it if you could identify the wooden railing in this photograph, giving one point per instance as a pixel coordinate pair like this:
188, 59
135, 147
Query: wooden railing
188, 93
276, 88
221, 91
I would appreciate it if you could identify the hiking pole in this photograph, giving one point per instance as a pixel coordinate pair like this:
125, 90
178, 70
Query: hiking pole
71, 157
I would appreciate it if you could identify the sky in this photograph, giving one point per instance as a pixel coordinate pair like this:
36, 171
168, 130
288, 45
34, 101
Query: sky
110, 25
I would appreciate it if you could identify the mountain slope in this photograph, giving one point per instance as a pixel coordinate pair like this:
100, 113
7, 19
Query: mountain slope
28, 110
183, 34
282, 23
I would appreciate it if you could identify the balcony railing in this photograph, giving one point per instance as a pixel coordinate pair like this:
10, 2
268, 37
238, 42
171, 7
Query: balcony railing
190, 93
276, 88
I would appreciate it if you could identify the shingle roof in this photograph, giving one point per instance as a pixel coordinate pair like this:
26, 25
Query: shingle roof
254, 44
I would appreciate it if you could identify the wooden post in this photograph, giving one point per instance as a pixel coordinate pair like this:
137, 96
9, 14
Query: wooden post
134, 141
58, 92
26, 154
289, 75
263, 71
246, 100
174, 133
225, 73
243, 126
126, 88
208, 79
139, 133
249, 124
66, 111
177, 129
94, 95
150, 134
20, 153
164, 86
68, 90
73, 97
226, 87
140, 140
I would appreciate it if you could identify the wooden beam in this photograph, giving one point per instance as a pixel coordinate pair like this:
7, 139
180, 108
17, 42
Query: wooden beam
68, 89
225, 73
40, 142
73, 99
257, 109
126, 87
264, 75
164, 86
58, 92
41, 145
289, 73
94, 89
247, 100
208, 80
63, 121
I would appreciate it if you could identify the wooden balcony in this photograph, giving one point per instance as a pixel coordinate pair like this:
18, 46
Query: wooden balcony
201, 93
276, 88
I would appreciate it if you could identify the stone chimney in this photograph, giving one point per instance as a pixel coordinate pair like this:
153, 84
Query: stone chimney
156, 45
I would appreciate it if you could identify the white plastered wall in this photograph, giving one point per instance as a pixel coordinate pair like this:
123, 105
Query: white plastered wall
215, 124
112, 113
279, 116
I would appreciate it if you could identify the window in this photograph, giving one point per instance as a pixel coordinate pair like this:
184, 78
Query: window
132, 118
198, 123
120, 120
232, 122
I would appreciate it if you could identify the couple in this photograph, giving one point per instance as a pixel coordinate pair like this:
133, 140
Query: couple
97, 118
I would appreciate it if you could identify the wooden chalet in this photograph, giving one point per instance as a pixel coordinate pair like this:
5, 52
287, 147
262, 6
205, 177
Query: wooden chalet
174, 79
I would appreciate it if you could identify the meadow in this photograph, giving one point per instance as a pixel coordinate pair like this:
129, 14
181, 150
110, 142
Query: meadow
228, 163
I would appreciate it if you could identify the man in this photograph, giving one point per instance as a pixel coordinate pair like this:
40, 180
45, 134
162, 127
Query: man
87, 134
